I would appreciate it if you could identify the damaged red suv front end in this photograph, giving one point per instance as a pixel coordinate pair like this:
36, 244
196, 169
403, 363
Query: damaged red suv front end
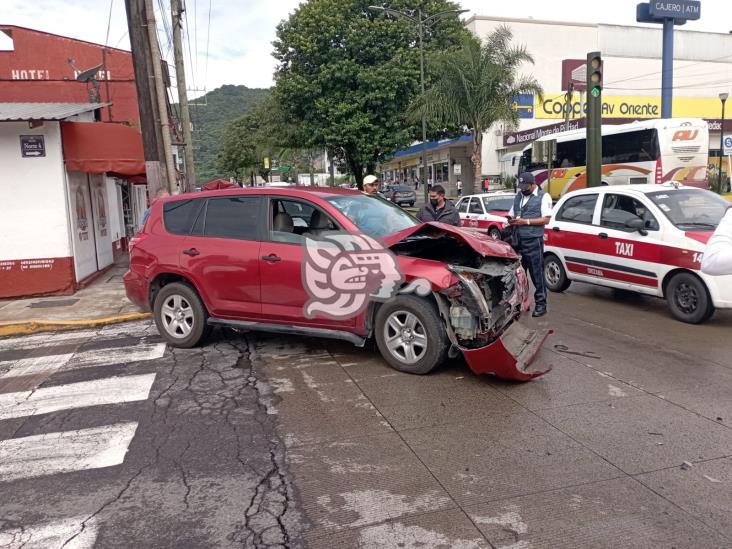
481, 291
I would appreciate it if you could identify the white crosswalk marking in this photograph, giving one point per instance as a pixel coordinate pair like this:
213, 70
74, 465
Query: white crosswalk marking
45, 339
105, 357
112, 390
85, 359
65, 452
53, 534
32, 366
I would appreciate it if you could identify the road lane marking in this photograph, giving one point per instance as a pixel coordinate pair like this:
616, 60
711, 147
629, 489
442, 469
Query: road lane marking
120, 355
85, 359
65, 452
112, 390
53, 534
33, 366
46, 340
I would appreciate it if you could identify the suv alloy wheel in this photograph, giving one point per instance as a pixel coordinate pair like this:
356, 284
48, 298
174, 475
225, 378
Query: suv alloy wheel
180, 316
410, 334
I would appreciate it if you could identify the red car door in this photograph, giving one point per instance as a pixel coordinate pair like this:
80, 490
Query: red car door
222, 255
284, 296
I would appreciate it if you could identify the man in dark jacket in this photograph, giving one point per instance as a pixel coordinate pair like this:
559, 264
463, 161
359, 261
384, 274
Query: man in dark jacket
439, 209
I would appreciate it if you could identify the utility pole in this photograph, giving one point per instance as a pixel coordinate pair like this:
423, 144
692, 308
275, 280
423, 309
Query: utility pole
142, 59
176, 9
163, 119
568, 104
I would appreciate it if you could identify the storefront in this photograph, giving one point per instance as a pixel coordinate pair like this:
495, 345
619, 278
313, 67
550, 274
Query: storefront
63, 187
448, 161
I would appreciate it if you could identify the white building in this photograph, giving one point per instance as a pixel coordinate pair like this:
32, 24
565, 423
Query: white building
632, 82
67, 193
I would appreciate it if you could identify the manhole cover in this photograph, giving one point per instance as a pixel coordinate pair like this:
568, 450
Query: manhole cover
56, 303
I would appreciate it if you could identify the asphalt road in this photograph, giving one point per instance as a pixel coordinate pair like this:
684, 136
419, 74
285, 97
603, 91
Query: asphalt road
265, 441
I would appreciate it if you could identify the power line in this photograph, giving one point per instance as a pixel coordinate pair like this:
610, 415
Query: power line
208, 41
641, 76
109, 22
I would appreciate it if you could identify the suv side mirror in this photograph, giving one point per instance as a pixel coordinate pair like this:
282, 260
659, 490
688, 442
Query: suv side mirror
637, 224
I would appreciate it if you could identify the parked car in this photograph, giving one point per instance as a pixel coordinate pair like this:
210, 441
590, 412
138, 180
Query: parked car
401, 194
235, 258
486, 211
644, 238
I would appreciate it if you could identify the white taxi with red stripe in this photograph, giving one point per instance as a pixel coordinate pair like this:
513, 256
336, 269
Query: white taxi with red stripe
486, 211
645, 238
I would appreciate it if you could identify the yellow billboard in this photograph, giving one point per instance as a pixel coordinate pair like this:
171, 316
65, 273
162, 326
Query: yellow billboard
627, 106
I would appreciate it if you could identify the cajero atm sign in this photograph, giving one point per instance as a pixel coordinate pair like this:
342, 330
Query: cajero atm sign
621, 106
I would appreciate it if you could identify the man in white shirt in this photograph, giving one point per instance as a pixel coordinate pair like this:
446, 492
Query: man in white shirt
717, 258
531, 211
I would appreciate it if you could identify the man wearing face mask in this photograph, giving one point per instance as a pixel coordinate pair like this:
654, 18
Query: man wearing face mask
531, 211
439, 208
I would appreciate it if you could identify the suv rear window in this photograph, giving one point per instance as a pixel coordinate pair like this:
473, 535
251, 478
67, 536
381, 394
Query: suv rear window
179, 216
233, 217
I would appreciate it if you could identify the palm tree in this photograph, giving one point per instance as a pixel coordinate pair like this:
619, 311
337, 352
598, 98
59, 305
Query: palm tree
474, 87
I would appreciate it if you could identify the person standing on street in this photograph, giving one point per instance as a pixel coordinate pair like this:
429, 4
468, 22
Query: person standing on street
717, 260
531, 211
439, 208
459, 187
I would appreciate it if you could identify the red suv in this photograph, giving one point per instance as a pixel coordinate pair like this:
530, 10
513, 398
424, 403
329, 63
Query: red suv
238, 258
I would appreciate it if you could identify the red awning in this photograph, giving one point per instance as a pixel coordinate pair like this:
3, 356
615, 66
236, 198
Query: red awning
99, 147
218, 184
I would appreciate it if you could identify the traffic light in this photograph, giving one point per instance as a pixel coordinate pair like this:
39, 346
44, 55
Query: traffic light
594, 73
594, 119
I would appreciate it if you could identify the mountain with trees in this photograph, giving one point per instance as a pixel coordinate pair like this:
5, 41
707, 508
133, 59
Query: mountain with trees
210, 114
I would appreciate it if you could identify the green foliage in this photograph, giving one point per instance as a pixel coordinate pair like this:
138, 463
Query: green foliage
473, 88
217, 108
346, 75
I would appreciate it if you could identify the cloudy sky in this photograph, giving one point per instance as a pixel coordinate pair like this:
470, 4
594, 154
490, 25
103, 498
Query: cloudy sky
230, 40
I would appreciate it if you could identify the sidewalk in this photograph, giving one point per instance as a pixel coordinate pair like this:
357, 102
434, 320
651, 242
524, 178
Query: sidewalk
102, 302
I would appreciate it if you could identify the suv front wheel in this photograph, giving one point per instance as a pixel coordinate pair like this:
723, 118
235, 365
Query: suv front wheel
410, 334
180, 315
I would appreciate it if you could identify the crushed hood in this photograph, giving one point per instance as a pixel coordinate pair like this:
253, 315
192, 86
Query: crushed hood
481, 243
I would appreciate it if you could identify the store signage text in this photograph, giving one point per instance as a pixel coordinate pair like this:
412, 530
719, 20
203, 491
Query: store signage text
678, 9
45, 74
557, 108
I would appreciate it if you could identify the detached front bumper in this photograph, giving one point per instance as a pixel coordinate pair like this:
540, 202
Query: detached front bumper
510, 355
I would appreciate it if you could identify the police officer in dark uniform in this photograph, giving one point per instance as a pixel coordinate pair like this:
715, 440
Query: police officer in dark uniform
531, 211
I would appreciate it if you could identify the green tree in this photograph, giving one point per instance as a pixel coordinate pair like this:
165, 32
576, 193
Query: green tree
346, 75
473, 88
242, 152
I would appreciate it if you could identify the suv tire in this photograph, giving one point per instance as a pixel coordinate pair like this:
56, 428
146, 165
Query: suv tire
554, 274
180, 316
688, 299
410, 334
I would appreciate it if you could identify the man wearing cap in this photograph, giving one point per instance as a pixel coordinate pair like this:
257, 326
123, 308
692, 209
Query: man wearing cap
371, 184
531, 211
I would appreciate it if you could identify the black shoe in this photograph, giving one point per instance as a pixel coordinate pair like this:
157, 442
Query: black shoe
538, 312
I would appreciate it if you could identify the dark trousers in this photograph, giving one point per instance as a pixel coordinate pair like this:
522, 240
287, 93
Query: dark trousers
532, 259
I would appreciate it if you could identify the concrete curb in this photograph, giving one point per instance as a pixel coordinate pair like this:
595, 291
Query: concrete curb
35, 326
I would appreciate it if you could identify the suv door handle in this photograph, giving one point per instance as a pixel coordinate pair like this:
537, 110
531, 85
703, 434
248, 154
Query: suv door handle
272, 257
602, 235
192, 252
556, 229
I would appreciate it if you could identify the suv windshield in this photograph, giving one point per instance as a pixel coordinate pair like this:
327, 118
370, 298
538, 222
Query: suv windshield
691, 209
374, 215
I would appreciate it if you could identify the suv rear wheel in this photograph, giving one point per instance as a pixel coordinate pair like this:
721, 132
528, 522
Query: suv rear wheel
688, 299
180, 315
410, 335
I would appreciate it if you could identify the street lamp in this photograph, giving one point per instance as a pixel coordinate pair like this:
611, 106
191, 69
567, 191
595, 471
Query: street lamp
415, 17
723, 98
